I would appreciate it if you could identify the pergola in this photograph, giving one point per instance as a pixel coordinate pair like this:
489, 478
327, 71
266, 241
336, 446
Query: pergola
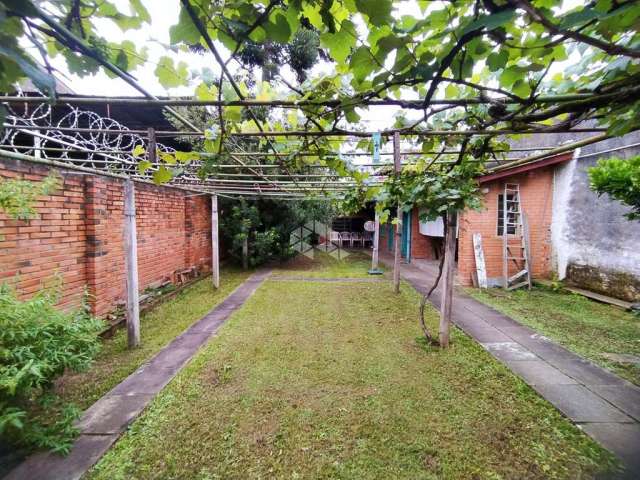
90, 143
83, 140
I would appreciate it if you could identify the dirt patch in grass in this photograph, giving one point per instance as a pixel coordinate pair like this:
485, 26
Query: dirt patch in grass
326, 380
588, 328
354, 264
157, 328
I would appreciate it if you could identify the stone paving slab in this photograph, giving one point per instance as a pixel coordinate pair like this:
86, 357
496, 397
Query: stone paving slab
499, 321
86, 450
147, 380
486, 334
113, 414
584, 371
169, 358
581, 405
625, 397
103, 422
508, 351
603, 404
283, 278
539, 372
623, 439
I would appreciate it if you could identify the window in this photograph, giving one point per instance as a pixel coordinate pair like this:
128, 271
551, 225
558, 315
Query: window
511, 218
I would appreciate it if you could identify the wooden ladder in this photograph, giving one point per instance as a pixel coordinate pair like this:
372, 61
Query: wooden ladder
515, 240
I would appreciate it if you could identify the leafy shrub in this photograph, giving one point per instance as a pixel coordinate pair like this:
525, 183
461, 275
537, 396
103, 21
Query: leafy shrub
620, 179
18, 196
37, 343
267, 227
265, 247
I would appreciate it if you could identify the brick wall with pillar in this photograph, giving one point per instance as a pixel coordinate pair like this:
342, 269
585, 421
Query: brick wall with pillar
97, 248
78, 236
421, 245
198, 230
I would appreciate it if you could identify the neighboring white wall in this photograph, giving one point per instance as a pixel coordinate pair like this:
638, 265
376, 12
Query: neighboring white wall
561, 247
593, 244
433, 228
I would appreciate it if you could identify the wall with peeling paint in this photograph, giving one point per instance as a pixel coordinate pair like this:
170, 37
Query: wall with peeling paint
594, 245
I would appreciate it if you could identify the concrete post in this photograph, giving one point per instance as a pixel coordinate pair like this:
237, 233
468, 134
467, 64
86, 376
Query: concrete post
131, 264
215, 243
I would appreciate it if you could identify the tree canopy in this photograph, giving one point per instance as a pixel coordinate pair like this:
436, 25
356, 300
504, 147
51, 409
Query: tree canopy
620, 179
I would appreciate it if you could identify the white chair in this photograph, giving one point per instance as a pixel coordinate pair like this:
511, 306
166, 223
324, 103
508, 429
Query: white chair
334, 237
345, 237
356, 237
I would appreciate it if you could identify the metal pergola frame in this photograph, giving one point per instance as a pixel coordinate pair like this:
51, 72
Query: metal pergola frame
66, 146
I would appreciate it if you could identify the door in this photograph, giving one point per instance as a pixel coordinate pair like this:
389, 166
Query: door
406, 235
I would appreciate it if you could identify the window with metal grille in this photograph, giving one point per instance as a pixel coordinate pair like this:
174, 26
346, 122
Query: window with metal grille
511, 217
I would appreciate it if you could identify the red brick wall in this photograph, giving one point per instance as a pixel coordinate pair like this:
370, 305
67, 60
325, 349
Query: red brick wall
536, 192
78, 235
421, 245
198, 230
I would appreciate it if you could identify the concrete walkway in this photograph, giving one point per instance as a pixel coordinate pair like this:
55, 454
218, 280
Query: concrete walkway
602, 404
104, 422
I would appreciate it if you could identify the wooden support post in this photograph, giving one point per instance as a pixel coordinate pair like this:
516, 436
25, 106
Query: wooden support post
398, 229
481, 269
376, 243
131, 265
446, 298
215, 243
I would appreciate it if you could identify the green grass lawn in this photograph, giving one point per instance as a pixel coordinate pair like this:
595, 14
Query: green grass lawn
328, 380
157, 328
356, 264
588, 328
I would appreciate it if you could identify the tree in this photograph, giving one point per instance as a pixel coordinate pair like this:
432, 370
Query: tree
258, 232
301, 53
77, 33
620, 179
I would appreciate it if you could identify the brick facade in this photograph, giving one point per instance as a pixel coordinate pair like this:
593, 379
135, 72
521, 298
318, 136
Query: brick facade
78, 235
536, 193
422, 246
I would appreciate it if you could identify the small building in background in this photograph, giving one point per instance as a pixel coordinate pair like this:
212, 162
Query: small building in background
574, 235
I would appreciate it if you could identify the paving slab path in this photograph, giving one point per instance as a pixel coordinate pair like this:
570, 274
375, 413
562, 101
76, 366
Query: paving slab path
103, 423
602, 404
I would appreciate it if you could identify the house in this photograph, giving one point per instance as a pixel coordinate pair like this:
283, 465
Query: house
574, 235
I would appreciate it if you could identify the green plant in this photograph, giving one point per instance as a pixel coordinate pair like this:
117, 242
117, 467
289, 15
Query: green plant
620, 179
266, 225
265, 247
38, 343
18, 196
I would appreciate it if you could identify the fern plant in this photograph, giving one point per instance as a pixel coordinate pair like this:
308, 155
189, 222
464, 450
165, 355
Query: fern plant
38, 342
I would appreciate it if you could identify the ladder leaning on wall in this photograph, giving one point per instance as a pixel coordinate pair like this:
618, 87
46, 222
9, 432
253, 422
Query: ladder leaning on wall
515, 240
